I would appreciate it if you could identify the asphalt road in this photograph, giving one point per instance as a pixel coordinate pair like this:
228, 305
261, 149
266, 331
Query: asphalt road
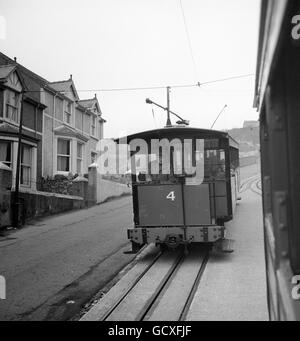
55, 266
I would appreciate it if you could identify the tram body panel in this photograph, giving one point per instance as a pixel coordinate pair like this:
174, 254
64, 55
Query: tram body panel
278, 103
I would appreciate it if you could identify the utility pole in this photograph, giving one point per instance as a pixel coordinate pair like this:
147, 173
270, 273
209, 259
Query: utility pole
16, 203
168, 107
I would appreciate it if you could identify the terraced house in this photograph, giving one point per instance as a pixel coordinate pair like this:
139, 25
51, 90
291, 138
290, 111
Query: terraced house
60, 131
12, 83
72, 128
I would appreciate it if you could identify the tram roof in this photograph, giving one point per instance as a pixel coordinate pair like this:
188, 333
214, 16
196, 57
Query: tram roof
180, 131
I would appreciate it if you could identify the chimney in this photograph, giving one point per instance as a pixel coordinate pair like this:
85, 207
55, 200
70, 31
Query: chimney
15, 59
71, 76
95, 96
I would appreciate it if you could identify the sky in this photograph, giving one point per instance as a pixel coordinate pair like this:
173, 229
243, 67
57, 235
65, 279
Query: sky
113, 44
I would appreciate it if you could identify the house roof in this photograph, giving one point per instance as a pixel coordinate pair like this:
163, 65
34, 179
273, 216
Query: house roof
31, 81
8, 129
87, 103
64, 130
34, 83
6, 70
64, 87
90, 103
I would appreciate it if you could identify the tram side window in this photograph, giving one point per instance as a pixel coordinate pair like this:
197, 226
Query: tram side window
214, 164
234, 159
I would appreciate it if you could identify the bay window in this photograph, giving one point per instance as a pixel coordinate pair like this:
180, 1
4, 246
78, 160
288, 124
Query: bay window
12, 106
26, 165
79, 157
6, 153
63, 155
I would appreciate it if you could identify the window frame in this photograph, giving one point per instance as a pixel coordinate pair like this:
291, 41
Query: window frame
93, 125
11, 154
64, 155
16, 106
28, 166
79, 158
68, 112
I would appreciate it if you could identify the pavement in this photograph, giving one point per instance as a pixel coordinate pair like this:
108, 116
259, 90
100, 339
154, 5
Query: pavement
233, 287
54, 266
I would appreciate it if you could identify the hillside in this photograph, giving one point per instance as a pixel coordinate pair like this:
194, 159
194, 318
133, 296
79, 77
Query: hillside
248, 138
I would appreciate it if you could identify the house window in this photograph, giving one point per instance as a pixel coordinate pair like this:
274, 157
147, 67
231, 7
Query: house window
6, 153
63, 155
93, 157
68, 112
26, 165
79, 157
100, 131
93, 125
12, 106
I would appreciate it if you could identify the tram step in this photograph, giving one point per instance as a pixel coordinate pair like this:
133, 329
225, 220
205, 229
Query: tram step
225, 245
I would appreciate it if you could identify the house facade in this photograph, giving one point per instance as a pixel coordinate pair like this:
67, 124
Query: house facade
59, 131
12, 85
71, 130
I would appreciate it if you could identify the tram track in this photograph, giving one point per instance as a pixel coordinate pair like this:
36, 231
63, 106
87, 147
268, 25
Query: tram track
163, 291
253, 184
254, 187
246, 184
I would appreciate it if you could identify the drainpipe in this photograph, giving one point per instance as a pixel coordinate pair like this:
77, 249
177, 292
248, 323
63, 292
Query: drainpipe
53, 126
16, 202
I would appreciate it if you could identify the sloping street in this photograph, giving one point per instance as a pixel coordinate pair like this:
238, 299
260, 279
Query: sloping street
54, 266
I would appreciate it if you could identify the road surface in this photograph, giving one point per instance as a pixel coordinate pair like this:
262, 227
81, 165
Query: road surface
55, 266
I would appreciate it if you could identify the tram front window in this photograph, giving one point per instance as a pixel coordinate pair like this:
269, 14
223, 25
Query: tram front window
168, 166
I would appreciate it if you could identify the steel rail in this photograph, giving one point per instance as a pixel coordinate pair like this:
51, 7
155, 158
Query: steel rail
151, 302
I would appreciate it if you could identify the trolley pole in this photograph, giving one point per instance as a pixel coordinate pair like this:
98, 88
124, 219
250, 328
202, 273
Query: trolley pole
168, 107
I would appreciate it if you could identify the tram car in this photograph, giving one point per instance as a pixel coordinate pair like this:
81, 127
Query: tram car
278, 102
174, 208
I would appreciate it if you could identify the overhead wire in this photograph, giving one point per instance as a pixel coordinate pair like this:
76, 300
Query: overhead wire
188, 39
198, 84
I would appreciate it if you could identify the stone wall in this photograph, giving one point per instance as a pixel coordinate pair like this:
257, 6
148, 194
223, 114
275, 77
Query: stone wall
40, 204
37, 203
57, 184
